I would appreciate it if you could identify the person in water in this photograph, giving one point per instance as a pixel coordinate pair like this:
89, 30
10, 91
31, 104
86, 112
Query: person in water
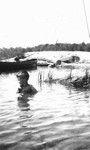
23, 77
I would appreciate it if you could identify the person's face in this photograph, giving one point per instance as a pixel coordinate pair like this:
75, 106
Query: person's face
22, 81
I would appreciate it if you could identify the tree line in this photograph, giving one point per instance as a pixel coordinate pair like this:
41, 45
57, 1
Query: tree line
19, 51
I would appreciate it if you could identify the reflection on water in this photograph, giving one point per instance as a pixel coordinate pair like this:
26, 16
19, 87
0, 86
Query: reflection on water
56, 118
23, 102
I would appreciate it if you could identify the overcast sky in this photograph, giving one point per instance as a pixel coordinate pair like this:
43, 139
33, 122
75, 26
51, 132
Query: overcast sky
28, 23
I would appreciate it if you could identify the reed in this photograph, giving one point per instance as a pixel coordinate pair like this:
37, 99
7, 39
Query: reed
50, 76
40, 76
70, 75
70, 80
45, 78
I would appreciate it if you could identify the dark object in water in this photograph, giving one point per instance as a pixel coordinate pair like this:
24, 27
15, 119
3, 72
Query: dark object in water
71, 59
58, 62
52, 65
19, 65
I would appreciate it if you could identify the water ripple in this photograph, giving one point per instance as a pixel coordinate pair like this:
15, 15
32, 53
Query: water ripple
57, 117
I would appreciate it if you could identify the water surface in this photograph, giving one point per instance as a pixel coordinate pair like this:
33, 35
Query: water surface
56, 118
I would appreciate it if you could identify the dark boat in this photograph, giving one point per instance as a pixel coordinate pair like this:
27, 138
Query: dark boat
6, 66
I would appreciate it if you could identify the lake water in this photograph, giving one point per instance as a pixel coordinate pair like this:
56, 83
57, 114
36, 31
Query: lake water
56, 118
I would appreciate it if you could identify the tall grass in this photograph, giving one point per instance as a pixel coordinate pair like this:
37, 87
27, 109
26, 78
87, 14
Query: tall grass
40, 76
49, 77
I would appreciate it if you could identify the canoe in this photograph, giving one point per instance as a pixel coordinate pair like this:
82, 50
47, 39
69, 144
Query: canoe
6, 66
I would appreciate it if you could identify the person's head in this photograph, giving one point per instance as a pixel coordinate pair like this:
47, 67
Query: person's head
23, 77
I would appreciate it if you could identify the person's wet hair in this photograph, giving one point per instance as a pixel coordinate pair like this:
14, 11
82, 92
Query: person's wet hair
23, 74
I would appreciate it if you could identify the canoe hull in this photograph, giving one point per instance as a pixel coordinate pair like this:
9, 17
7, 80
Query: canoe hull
16, 66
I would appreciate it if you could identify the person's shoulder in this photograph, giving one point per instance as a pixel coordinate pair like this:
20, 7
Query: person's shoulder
30, 89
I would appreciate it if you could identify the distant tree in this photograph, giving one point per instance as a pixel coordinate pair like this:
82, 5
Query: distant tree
74, 47
87, 48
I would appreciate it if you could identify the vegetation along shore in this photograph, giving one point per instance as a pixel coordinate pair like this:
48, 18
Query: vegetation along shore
19, 51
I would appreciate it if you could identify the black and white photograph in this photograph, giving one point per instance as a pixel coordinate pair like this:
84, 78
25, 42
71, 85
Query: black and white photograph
44, 74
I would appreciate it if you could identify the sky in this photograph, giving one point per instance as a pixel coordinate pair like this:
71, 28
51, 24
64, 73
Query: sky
28, 23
